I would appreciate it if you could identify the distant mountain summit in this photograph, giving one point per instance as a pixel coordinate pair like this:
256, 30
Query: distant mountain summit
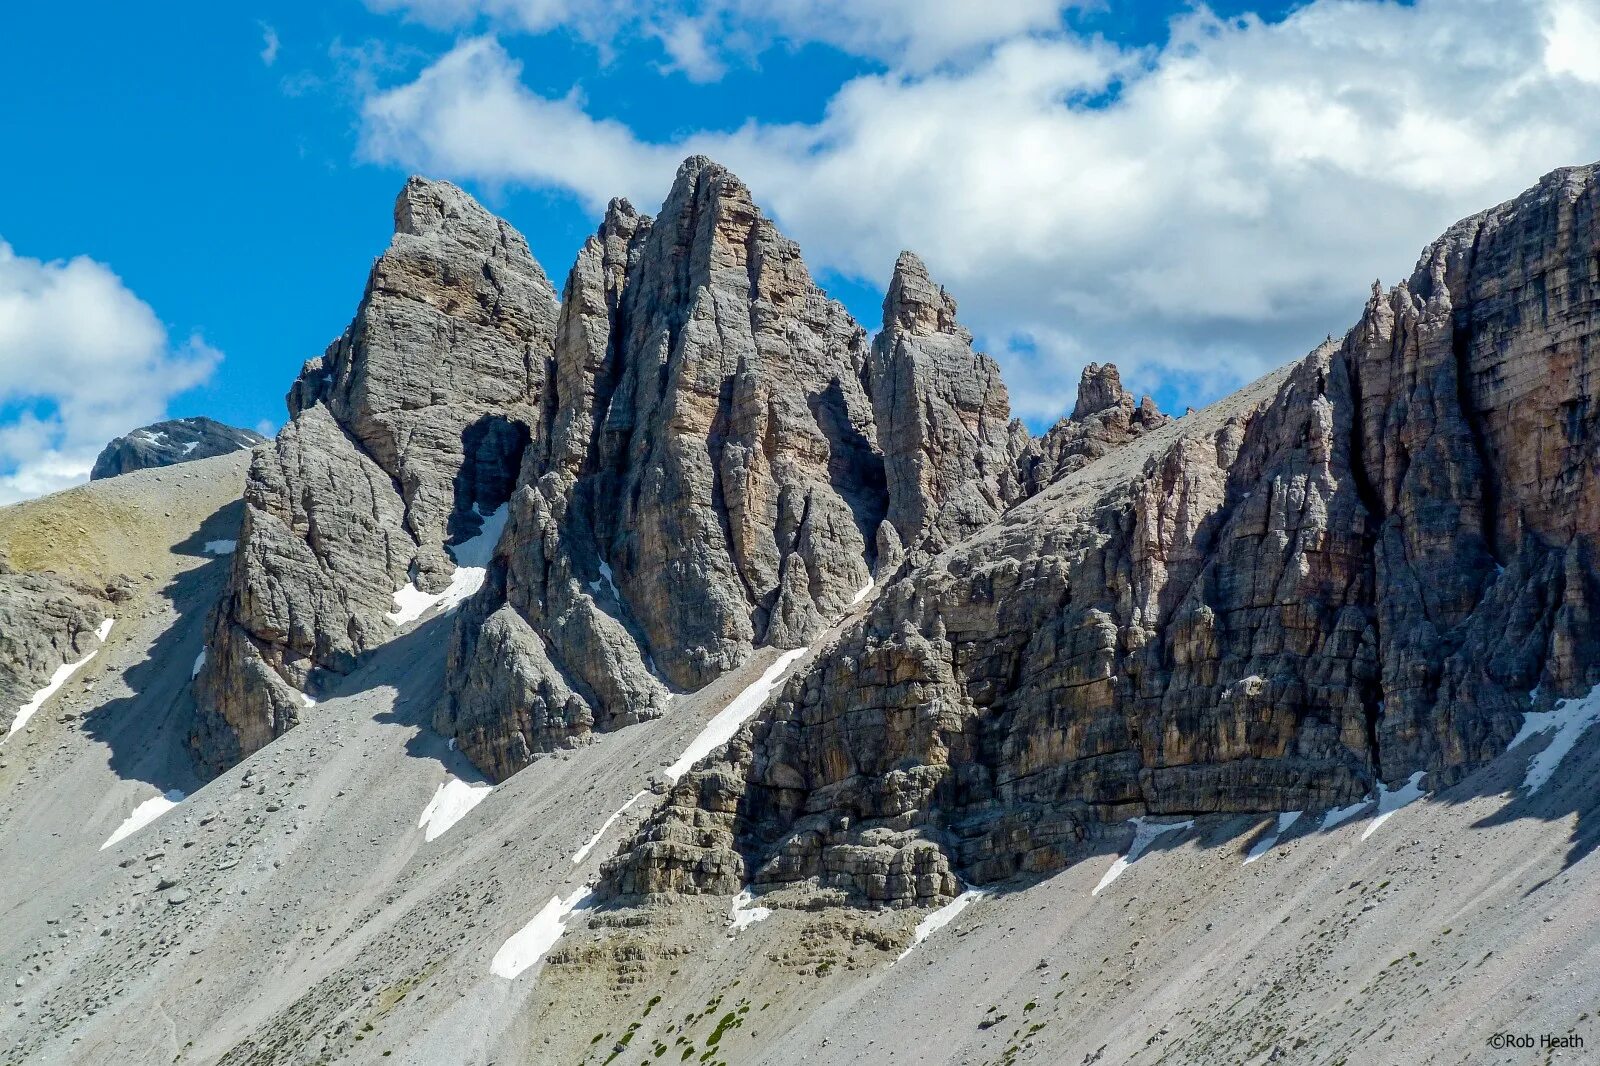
178, 440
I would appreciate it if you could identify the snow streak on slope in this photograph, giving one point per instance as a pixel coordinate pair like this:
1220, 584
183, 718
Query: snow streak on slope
742, 915
1144, 834
858, 597
583, 852
144, 814
1340, 815
721, 729
472, 566
943, 917
1568, 721
451, 802
608, 580
1265, 844
1389, 802
529, 945
63, 673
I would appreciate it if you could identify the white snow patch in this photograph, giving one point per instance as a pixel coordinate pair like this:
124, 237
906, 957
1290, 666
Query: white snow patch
221, 547
307, 700
188, 449
477, 551
62, 674
199, 661
472, 561
529, 945
721, 729
1265, 844
858, 597
742, 916
472, 567
1389, 802
144, 814
1341, 815
608, 579
1568, 721
1144, 834
943, 917
583, 852
451, 802
410, 604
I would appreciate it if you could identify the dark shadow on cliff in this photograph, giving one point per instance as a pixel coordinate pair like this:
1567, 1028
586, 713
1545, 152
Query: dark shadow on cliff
413, 664
147, 732
1570, 793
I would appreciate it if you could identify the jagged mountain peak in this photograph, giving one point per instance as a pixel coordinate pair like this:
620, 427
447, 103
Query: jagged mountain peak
1099, 389
916, 304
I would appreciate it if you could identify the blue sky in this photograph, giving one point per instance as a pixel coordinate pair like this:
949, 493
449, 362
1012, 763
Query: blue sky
1100, 182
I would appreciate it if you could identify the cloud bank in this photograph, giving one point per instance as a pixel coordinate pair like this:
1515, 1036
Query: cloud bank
82, 359
1197, 212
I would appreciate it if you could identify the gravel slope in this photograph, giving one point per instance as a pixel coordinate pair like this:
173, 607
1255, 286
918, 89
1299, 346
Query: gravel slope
292, 911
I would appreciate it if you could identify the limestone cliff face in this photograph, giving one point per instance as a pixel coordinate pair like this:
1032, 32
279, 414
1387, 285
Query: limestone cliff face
401, 436
721, 452
697, 450
1353, 570
943, 415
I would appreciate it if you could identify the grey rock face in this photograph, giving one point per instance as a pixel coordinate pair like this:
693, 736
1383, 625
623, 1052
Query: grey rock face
401, 437
1355, 570
180, 440
709, 481
944, 420
44, 623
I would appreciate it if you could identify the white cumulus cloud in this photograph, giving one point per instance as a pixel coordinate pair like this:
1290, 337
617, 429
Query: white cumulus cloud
82, 359
699, 35
1197, 213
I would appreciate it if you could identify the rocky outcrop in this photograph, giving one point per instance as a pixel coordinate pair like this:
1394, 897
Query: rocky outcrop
697, 451
709, 480
1104, 417
401, 437
944, 419
1356, 569
179, 440
725, 464
44, 623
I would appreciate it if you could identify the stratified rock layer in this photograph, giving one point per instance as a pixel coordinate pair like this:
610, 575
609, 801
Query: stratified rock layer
180, 440
1356, 569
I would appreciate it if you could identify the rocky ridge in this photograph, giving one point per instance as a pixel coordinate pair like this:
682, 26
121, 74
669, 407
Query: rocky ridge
179, 440
1367, 566
1356, 570
402, 436
702, 458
